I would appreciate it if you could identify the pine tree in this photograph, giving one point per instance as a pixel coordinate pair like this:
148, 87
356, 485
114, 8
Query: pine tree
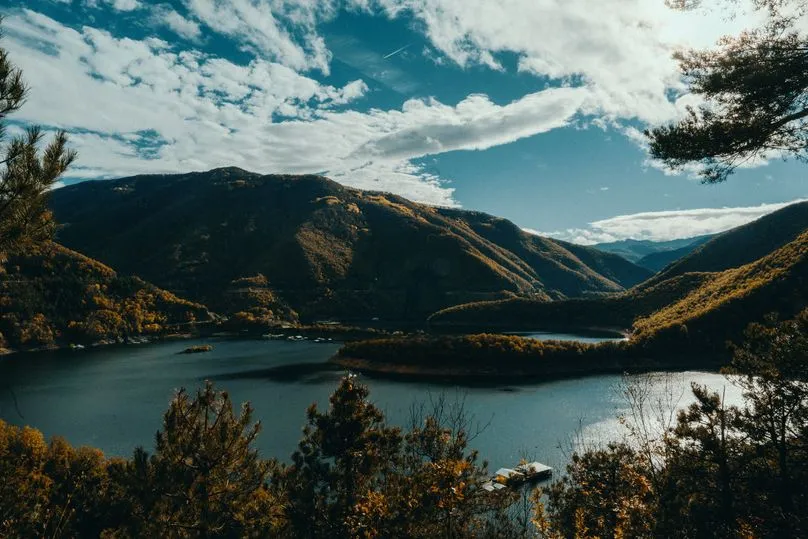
205, 478
27, 173
755, 92
343, 456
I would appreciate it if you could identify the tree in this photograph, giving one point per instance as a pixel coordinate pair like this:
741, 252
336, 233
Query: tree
355, 476
49, 490
754, 88
27, 173
606, 493
344, 454
771, 367
205, 478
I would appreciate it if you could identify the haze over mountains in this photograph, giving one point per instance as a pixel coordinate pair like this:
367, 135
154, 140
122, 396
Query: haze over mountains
309, 246
653, 255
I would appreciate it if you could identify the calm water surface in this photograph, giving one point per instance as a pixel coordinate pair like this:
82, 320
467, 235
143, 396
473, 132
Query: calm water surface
113, 398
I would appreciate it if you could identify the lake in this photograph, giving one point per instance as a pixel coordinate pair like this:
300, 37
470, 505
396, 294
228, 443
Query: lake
113, 398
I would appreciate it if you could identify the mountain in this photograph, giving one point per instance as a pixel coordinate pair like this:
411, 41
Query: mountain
743, 244
319, 249
721, 307
637, 250
50, 295
695, 312
615, 312
661, 259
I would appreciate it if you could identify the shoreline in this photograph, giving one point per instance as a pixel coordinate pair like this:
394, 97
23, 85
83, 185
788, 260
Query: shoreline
509, 329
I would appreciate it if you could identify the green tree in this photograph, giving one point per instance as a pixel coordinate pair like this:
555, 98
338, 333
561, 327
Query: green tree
205, 478
355, 476
754, 88
344, 454
705, 470
28, 173
771, 367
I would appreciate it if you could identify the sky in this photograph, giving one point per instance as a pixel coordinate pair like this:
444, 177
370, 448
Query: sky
527, 109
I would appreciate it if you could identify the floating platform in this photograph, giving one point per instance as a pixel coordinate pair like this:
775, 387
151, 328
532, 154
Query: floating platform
529, 472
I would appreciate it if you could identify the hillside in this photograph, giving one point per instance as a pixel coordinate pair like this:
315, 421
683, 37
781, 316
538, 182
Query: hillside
693, 311
637, 250
51, 295
318, 249
723, 305
743, 244
616, 312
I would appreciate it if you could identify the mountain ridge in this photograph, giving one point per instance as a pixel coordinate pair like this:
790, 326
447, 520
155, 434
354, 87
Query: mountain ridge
323, 249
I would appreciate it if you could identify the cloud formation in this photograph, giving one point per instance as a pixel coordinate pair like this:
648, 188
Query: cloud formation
666, 225
620, 49
154, 109
145, 105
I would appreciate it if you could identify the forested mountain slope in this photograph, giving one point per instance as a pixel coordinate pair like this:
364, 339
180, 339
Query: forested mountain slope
50, 295
319, 248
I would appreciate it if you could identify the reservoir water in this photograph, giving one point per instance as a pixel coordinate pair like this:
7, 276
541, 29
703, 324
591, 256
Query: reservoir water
113, 398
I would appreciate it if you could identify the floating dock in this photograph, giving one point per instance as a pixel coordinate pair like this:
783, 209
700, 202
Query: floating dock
529, 472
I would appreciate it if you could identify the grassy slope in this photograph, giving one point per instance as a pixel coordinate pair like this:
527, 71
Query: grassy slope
324, 250
50, 294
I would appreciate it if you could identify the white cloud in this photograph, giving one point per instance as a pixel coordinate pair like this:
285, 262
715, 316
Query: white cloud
666, 225
117, 5
620, 49
264, 27
152, 109
475, 123
143, 106
183, 27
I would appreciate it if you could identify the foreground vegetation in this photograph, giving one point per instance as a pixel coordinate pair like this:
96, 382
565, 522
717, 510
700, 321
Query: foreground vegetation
714, 471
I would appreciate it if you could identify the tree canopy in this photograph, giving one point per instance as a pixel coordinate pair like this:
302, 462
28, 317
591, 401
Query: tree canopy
754, 91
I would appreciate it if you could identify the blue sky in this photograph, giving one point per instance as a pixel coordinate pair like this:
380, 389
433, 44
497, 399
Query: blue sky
527, 109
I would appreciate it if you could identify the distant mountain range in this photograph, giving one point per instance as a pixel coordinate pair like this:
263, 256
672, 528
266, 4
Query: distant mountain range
653, 255
305, 247
696, 303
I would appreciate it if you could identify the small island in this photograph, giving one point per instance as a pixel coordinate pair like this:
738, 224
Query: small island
198, 349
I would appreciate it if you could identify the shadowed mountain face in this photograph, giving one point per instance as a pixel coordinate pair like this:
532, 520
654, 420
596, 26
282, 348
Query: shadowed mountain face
317, 248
